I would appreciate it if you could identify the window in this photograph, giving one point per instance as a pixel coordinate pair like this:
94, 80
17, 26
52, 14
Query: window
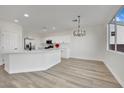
116, 32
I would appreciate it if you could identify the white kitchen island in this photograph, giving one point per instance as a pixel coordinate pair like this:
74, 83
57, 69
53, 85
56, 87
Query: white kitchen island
27, 61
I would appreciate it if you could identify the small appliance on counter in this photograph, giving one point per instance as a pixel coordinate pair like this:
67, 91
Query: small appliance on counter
28, 44
57, 45
49, 44
29, 47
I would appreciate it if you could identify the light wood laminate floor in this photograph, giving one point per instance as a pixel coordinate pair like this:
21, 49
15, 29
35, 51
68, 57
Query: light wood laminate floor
70, 73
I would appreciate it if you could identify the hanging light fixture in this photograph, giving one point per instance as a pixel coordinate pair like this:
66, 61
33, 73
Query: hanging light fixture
80, 31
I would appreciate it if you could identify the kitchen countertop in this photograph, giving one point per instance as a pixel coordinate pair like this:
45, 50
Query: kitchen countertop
33, 51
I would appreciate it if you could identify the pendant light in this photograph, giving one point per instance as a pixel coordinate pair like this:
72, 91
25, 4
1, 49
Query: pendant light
80, 32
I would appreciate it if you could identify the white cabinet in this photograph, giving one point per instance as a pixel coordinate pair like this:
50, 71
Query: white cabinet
51, 58
32, 61
65, 53
11, 40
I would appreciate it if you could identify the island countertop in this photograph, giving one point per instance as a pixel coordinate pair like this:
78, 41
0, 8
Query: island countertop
28, 61
28, 52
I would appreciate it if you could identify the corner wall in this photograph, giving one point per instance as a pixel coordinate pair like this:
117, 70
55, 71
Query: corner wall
115, 63
91, 46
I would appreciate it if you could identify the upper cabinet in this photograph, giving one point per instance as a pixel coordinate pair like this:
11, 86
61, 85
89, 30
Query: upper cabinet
11, 38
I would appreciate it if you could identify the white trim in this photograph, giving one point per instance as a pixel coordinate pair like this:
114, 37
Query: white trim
120, 53
115, 35
115, 75
112, 51
107, 46
116, 52
93, 59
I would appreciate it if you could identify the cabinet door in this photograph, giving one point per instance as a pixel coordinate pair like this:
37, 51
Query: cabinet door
9, 41
13, 41
65, 53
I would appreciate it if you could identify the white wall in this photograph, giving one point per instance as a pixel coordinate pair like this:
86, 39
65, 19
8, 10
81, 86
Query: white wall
91, 46
59, 39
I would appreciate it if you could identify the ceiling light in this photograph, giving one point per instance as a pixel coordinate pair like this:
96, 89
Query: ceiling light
26, 15
16, 20
80, 31
44, 29
54, 28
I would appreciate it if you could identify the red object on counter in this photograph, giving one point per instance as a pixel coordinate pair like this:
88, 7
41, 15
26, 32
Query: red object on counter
57, 45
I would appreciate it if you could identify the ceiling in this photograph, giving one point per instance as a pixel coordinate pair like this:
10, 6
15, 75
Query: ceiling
59, 16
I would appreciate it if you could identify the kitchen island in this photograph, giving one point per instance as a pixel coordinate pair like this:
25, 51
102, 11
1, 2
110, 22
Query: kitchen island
28, 61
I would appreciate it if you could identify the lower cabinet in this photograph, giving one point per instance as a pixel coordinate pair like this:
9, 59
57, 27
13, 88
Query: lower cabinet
65, 53
31, 61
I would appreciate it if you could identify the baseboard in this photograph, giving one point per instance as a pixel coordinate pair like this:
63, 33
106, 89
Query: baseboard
90, 59
115, 75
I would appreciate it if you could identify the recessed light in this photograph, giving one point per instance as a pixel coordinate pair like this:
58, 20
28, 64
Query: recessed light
44, 29
26, 15
16, 20
54, 28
